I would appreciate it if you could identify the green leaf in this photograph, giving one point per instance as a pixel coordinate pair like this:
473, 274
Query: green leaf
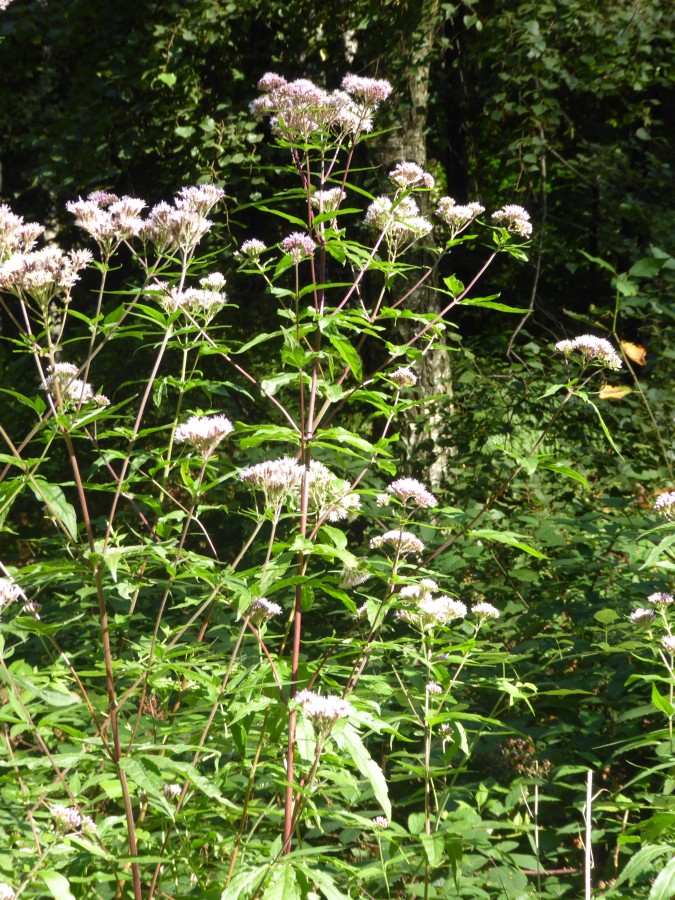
664, 886
349, 739
565, 470
609, 437
660, 702
241, 885
55, 500
646, 267
507, 537
348, 354
490, 304
57, 698
325, 883
283, 885
433, 847
168, 78
643, 862
139, 775
58, 885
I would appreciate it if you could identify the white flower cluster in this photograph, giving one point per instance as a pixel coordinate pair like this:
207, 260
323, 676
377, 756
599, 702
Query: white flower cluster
43, 274
458, 217
330, 494
409, 490
485, 611
399, 222
591, 349
326, 710
642, 616
300, 108
430, 612
276, 478
204, 301
16, 236
665, 504
262, 609
423, 588
433, 687
298, 246
62, 378
410, 175
403, 377
109, 219
668, 641
328, 200
403, 542
9, 592
204, 432
251, 249
171, 791
661, 599
183, 225
67, 818
6, 892
514, 218
380, 821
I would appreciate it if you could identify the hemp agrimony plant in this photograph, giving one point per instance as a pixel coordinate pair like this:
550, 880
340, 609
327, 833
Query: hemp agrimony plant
231, 665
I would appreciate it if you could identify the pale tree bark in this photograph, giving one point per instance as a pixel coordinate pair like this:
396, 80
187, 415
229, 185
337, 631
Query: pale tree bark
424, 438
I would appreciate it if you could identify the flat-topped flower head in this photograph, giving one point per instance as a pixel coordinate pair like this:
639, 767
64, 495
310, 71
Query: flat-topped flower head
328, 200
423, 588
591, 349
403, 377
514, 218
323, 710
410, 491
457, 216
410, 175
276, 478
204, 432
665, 504
66, 818
298, 246
661, 599
433, 687
380, 821
485, 611
370, 91
262, 609
668, 642
642, 616
183, 225
403, 542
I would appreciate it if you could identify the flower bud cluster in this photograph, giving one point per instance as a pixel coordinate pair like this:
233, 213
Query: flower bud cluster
251, 248
403, 377
323, 710
62, 380
276, 478
591, 349
330, 495
203, 302
299, 109
183, 225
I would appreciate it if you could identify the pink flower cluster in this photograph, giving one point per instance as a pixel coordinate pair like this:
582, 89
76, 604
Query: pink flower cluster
298, 109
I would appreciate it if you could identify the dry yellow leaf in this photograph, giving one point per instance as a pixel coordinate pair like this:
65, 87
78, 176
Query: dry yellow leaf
635, 352
613, 392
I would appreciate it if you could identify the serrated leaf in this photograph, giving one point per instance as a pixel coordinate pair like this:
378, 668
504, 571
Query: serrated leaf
664, 886
284, 885
662, 703
348, 354
490, 304
433, 848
